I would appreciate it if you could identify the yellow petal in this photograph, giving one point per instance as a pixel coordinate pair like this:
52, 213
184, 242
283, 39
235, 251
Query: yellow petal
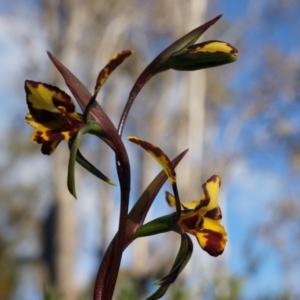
186, 205
42, 133
213, 47
209, 198
43, 100
31, 121
190, 204
211, 237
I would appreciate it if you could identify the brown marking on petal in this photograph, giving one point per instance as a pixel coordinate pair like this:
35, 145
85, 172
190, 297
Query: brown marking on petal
158, 154
58, 97
55, 135
215, 242
214, 178
203, 202
49, 147
43, 116
35, 84
61, 98
66, 102
214, 214
234, 50
191, 223
37, 137
73, 123
52, 113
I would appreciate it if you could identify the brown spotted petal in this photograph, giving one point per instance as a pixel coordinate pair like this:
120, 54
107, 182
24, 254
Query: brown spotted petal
202, 219
114, 62
209, 198
45, 101
211, 237
52, 114
159, 156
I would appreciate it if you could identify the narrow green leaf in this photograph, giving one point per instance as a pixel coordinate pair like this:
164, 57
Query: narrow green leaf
75, 155
91, 168
182, 258
74, 144
161, 225
157, 226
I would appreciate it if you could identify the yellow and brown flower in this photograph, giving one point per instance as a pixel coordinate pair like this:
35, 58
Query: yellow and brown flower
202, 218
52, 113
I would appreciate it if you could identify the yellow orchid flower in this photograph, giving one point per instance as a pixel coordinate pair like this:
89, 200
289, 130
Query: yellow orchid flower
199, 218
52, 112
52, 115
202, 218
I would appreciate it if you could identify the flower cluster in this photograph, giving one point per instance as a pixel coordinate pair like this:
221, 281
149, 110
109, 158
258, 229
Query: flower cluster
53, 116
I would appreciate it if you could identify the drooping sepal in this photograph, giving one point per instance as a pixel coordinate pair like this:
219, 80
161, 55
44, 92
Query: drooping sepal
158, 155
164, 162
113, 63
